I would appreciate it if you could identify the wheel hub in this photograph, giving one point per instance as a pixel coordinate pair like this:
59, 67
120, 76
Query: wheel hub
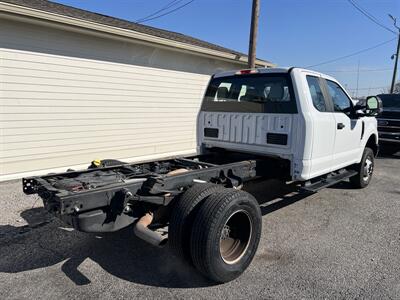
368, 168
235, 237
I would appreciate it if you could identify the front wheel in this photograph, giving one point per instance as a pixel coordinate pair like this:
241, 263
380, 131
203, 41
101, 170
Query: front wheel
364, 170
225, 234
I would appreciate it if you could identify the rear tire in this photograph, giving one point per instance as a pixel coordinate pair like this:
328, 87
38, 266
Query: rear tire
226, 234
364, 170
182, 217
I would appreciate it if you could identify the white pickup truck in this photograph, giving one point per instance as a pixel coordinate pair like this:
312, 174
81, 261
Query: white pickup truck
295, 114
287, 123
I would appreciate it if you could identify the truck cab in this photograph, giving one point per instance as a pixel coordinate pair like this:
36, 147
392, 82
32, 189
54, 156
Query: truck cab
290, 113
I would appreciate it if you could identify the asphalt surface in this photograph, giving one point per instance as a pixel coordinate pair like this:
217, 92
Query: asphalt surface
338, 243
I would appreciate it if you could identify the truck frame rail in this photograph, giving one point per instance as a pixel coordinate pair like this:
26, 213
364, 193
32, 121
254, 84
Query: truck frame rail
110, 192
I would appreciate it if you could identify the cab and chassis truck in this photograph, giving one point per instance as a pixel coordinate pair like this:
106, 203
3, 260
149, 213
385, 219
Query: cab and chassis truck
286, 123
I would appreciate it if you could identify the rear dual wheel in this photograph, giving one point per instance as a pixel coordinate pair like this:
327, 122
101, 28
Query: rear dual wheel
183, 215
216, 229
225, 234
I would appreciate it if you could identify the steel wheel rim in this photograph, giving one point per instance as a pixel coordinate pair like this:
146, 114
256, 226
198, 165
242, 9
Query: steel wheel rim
368, 168
235, 237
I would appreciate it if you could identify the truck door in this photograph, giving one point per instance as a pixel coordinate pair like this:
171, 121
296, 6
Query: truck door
323, 132
348, 126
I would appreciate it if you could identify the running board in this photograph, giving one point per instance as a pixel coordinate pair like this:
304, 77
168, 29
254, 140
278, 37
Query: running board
328, 180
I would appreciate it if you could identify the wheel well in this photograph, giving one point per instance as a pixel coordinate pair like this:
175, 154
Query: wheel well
371, 143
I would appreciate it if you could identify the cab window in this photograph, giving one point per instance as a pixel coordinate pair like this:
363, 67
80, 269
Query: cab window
264, 93
341, 102
316, 93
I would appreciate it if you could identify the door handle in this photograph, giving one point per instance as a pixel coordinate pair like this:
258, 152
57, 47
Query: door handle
340, 126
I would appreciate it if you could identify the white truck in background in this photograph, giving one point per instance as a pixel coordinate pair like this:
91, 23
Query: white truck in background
287, 123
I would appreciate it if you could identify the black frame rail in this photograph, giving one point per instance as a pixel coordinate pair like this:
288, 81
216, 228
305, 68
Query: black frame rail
156, 189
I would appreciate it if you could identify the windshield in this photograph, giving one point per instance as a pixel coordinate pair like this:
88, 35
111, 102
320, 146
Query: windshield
266, 93
390, 100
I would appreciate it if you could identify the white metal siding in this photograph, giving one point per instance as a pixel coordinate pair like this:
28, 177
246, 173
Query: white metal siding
69, 96
58, 111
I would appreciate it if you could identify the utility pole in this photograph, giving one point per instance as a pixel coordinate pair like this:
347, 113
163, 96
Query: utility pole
358, 77
255, 11
396, 56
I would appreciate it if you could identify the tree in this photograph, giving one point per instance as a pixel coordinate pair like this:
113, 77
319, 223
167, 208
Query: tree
396, 89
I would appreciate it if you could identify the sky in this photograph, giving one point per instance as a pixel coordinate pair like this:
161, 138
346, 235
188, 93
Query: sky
291, 32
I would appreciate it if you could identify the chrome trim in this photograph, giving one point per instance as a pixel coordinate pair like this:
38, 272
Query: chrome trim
388, 133
384, 119
384, 126
388, 140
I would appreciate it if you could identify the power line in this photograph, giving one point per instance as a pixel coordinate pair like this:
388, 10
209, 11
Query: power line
355, 71
369, 16
350, 55
367, 88
168, 12
157, 14
170, 4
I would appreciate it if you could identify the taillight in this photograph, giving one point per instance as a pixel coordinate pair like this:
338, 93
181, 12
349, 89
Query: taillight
247, 71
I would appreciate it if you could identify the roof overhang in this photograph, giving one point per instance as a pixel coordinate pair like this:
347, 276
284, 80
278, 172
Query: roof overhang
13, 11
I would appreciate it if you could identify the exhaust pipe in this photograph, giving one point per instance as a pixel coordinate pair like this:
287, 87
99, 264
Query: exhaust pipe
142, 231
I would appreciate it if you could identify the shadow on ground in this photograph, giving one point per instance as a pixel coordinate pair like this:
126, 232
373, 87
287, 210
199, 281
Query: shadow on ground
40, 245
274, 194
45, 242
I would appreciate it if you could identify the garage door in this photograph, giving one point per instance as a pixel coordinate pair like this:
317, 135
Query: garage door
59, 111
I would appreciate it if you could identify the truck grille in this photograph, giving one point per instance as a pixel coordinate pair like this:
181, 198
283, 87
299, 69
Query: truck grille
388, 122
388, 125
389, 129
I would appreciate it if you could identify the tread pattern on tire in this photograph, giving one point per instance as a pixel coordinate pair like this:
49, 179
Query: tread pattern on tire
357, 180
207, 220
183, 215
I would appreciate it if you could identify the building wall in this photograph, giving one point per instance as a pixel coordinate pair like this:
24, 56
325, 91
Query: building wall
68, 98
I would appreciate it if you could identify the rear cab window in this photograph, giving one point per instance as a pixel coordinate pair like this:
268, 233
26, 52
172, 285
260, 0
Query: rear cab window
262, 93
317, 96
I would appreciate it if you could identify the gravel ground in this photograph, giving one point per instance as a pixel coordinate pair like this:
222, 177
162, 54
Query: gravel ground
338, 243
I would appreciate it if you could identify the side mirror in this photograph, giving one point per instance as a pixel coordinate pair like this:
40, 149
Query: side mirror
373, 106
